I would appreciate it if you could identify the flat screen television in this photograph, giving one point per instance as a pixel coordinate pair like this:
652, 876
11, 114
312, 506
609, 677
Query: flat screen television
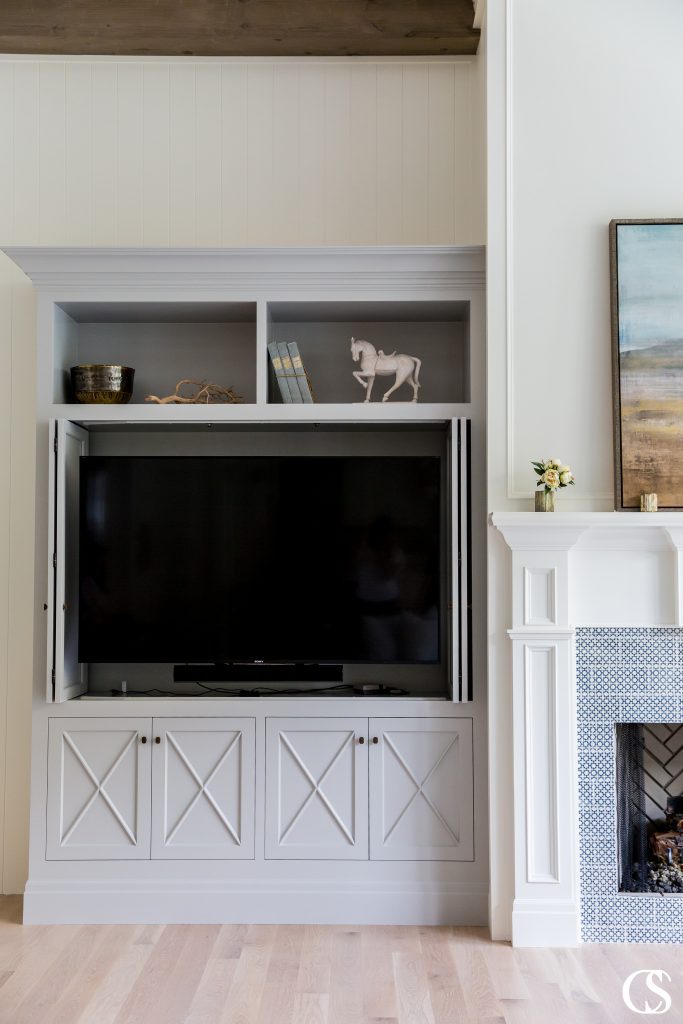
260, 559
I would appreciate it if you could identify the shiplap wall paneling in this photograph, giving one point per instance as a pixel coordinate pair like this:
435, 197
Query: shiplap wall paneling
183, 160
311, 195
52, 153
18, 583
234, 154
104, 155
78, 127
25, 150
129, 154
6, 153
363, 154
228, 153
415, 155
441, 190
389, 154
286, 158
5, 515
156, 133
259, 197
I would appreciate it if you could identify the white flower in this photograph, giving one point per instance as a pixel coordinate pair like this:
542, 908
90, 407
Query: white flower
566, 477
551, 478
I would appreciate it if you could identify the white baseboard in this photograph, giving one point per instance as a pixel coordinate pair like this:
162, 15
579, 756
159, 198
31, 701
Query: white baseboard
550, 924
132, 903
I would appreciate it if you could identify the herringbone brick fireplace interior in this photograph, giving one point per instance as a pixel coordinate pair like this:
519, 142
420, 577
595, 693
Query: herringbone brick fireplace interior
649, 780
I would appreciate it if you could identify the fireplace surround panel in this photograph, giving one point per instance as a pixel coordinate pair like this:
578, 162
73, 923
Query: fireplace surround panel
623, 675
600, 643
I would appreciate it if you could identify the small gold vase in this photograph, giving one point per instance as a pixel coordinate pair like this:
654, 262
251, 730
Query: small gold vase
544, 501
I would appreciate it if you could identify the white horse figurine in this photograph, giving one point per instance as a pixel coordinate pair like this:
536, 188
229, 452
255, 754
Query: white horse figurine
376, 364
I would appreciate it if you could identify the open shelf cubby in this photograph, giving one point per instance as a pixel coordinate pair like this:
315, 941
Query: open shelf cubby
164, 341
436, 332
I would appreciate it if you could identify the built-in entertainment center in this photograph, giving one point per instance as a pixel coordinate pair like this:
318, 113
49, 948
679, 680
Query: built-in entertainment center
260, 626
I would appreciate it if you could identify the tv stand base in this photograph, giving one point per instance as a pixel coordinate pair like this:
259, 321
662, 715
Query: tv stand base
196, 901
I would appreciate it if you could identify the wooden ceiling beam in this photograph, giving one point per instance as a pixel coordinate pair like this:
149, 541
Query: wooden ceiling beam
238, 28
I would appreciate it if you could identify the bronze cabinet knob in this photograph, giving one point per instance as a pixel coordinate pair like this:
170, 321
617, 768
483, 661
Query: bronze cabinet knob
157, 739
375, 739
143, 739
361, 739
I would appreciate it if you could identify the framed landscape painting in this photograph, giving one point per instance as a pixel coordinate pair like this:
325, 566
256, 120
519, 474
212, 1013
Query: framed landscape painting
647, 356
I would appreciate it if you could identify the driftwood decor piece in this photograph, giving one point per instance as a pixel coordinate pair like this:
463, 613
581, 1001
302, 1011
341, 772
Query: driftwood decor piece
206, 394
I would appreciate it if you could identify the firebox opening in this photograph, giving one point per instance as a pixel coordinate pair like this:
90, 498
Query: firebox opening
649, 789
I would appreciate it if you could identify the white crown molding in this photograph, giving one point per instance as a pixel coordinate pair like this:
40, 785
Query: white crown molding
419, 268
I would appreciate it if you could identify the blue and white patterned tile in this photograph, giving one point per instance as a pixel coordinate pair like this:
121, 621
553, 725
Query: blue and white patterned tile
615, 679
650, 646
650, 707
622, 675
666, 678
598, 879
598, 645
604, 793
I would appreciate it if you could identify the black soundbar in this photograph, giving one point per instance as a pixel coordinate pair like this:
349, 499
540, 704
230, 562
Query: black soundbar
258, 673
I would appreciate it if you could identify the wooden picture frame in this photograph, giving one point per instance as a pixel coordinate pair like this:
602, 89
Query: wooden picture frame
646, 258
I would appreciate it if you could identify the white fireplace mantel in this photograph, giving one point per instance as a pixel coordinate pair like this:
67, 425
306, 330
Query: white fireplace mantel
569, 570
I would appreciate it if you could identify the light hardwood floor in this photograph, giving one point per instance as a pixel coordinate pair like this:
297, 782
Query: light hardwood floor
237, 974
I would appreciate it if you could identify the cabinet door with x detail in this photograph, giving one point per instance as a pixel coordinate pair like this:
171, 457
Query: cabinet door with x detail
317, 788
203, 788
99, 789
421, 779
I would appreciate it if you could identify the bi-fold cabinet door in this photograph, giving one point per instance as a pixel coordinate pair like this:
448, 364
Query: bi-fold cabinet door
66, 676
131, 788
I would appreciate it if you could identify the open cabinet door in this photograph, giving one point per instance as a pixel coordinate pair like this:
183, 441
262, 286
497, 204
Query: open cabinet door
459, 489
66, 677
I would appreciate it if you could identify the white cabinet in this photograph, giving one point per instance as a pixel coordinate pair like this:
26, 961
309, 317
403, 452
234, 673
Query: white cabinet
99, 789
421, 789
131, 788
316, 788
203, 788
408, 783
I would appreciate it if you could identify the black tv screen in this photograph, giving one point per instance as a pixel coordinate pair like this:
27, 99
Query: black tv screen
277, 559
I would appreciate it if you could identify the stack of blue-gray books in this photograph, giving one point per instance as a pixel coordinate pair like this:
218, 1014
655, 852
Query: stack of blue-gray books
290, 374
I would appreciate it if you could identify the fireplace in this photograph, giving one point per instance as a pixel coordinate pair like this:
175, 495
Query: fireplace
629, 689
595, 620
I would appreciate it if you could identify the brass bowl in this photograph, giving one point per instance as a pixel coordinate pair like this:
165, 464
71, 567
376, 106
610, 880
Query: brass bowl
102, 383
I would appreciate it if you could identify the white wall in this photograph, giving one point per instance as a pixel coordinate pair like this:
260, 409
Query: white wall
582, 128
200, 153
